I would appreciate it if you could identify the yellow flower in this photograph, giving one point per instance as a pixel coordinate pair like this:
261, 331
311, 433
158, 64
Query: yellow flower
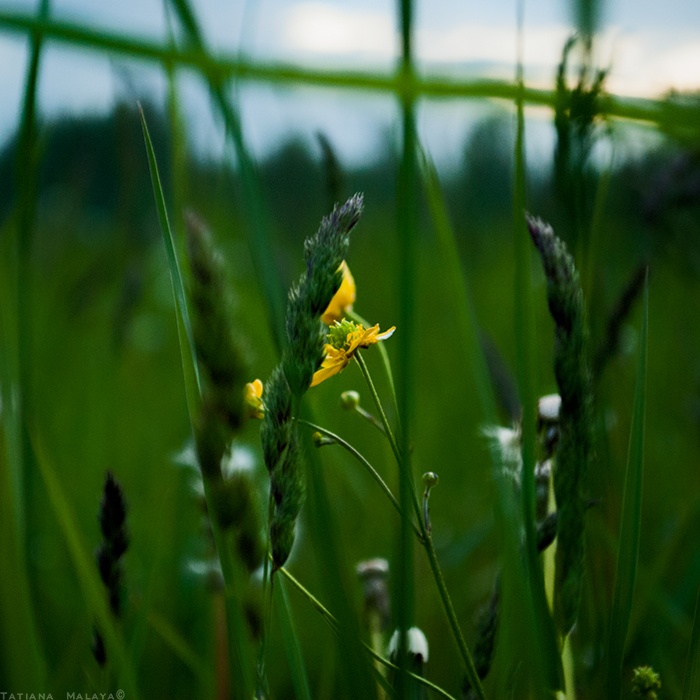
345, 339
343, 299
252, 398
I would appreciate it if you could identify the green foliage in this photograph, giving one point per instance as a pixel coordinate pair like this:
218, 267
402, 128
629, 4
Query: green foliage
90, 364
631, 520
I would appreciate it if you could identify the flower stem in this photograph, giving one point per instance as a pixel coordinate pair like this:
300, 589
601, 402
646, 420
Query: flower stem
363, 461
334, 625
375, 397
427, 541
452, 617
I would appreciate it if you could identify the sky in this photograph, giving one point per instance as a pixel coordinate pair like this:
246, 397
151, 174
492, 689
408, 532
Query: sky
648, 46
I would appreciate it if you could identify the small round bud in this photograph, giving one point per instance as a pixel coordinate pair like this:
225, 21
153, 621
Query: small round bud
321, 440
430, 479
349, 400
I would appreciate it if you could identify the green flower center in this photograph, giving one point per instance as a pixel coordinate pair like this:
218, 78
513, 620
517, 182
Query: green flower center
339, 331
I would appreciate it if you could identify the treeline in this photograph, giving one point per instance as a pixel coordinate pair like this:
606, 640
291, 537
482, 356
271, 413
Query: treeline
93, 173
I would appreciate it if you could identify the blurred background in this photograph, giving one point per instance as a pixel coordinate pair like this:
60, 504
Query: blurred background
89, 329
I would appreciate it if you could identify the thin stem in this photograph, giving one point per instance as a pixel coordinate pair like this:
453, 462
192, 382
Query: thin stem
375, 397
334, 625
427, 542
370, 418
363, 461
452, 618
403, 471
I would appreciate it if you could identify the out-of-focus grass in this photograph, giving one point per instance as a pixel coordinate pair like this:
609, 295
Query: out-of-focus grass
108, 393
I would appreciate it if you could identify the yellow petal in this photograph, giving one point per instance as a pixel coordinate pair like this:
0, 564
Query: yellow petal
372, 336
334, 362
343, 299
252, 397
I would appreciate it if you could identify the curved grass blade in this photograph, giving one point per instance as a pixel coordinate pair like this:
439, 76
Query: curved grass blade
179, 646
631, 525
240, 655
458, 285
333, 624
338, 583
86, 570
189, 355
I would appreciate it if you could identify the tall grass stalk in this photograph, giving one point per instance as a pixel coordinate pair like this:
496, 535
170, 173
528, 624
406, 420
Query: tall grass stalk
403, 588
631, 522
335, 576
292, 647
546, 659
189, 354
18, 390
239, 643
259, 224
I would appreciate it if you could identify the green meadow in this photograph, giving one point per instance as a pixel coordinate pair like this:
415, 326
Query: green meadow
100, 362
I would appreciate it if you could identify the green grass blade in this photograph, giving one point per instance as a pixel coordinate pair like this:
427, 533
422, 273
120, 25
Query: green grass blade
546, 651
240, 653
630, 527
20, 632
458, 286
189, 355
259, 229
19, 641
86, 571
403, 597
179, 646
291, 643
465, 319
691, 685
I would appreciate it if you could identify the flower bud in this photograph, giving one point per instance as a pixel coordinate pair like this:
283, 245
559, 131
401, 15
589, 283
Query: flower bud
416, 645
321, 440
430, 479
349, 400
252, 398
645, 682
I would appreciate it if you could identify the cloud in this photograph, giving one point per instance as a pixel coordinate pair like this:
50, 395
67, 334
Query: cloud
317, 28
644, 64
